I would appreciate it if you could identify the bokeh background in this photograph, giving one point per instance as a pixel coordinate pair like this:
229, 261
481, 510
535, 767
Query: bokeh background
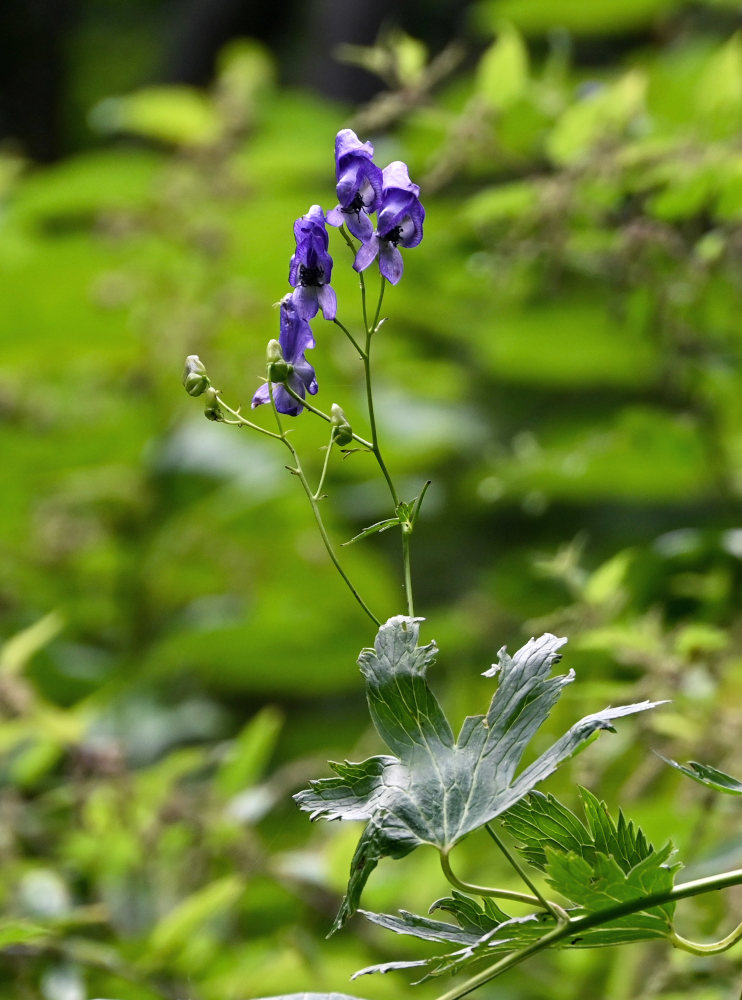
561, 360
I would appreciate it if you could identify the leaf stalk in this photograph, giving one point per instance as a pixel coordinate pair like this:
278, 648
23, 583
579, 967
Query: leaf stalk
483, 890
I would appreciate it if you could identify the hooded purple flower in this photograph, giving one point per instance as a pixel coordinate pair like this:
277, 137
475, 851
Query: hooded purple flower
359, 184
295, 338
400, 224
311, 267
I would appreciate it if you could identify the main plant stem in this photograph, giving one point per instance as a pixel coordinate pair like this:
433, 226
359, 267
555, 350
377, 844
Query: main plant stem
370, 330
576, 925
365, 355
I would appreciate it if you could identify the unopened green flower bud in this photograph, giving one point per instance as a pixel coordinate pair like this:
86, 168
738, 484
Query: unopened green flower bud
342, 432
195, 379
212, 409
278, 368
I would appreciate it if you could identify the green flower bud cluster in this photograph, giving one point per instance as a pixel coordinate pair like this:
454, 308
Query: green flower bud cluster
342, 433
195, 379
197, 383
279, 369
212, 409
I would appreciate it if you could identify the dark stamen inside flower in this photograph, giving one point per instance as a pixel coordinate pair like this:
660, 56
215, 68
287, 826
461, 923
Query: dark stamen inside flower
399, 234
393, 236
355, 206
310, 276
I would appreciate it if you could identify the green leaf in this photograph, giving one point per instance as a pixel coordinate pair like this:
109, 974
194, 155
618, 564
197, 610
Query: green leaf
437, 789
595, 866
249, 752
718, 93
19, 932
177, 928
502, 74
539, 821
601, 883
389, 522
16, 652
422, 927
510, 935
473, 915
603, 113
172, 114
706, 775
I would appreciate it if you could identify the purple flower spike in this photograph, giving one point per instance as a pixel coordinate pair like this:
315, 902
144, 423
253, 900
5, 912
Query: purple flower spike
400, 224
311, 267
359, 184
295, 338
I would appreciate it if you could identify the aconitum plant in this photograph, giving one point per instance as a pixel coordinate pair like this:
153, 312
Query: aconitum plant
586, 883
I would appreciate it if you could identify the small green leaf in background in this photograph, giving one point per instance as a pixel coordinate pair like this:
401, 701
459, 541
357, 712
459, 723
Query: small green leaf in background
718, 93
176, 930
502, 74
249, 752
706, 775
604, 113
16, 651
181, 116
20, 932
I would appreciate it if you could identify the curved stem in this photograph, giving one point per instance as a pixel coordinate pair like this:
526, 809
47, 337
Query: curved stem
323, 474
348, 240
318, 413
241, 421
575, 925
482, 890
558, 912
350, 337
298, 471
375, 326
714, 948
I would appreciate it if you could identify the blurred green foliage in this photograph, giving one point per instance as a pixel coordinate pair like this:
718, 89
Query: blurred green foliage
561, 359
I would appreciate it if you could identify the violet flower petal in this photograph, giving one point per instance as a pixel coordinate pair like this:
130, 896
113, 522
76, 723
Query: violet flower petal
367, 254
391, 264
306, 299
328, 302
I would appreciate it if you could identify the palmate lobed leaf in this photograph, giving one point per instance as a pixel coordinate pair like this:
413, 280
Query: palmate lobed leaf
437, 788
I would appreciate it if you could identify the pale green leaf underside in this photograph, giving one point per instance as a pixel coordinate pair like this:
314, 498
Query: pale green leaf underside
706, 775
439, 788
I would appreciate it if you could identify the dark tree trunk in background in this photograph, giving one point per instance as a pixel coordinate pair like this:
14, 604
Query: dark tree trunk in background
200, 28
37, 40
304, 35
32, 35
334, 22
